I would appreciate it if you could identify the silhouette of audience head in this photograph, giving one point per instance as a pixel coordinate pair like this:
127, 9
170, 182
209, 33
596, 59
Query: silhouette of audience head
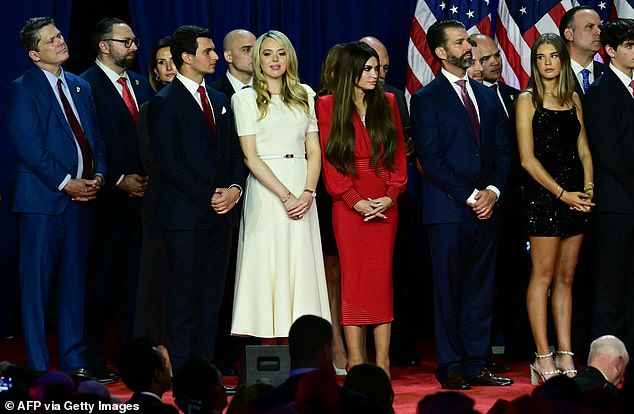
373, 382
446, 402
317, 393
143, 368
198, 388
309, 343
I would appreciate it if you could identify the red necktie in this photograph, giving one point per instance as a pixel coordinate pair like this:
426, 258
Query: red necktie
632, 86
128, 99
207, 110
80, 136
470, 107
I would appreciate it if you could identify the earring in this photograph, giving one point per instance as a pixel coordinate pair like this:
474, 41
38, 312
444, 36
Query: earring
157, 78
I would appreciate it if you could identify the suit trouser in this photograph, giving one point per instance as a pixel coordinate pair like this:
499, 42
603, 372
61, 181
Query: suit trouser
198, 265
463, 269
614, 302
53, 257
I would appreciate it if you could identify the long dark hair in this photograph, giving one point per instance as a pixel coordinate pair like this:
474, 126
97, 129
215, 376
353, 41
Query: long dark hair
565, 83
379, 121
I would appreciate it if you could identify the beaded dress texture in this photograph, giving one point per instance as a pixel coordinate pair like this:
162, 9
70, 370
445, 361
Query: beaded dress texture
555, 134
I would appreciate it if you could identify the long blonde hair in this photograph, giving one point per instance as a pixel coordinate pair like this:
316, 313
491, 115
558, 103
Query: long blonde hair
292, 93
565, 83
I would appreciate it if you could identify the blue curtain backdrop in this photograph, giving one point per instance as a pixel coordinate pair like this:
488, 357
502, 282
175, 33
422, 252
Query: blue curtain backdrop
313, 26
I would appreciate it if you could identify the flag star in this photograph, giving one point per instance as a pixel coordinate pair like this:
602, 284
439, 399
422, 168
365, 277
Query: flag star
443, 5
602, 5
523, 10
454, 10
470, 14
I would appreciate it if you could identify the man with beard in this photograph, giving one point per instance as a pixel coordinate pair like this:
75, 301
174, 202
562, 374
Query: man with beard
461, 143
114, 268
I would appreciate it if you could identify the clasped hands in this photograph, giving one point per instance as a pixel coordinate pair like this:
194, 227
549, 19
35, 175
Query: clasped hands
224, 199
483, 207
134, 184
297, 207
82, 190
373, 208
578, 201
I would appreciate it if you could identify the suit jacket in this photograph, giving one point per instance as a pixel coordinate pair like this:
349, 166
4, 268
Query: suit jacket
447, 149
192, 162
44, 142
608, 111
590, 378
119, 132
509, 96
402, 107
224, 86
150, 405
597, 68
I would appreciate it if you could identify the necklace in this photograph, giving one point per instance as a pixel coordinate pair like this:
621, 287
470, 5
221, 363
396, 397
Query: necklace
550, 94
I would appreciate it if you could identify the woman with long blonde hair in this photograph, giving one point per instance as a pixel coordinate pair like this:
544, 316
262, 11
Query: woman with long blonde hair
280, 268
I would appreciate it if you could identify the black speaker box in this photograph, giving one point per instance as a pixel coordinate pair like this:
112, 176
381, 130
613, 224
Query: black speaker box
265, 363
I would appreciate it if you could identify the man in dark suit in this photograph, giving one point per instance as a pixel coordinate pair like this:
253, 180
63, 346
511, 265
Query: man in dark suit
238, 49
580, 29
607, 362
461, 142
61, 164
198, 153
145, 371
116, 249
608, 113
509, 310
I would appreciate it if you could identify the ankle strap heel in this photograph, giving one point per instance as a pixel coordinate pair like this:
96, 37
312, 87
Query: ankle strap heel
567, 371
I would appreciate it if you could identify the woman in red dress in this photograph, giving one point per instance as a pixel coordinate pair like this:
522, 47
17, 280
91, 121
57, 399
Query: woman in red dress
364, 169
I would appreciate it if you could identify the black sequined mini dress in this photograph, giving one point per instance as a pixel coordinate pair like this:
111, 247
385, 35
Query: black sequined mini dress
555, 134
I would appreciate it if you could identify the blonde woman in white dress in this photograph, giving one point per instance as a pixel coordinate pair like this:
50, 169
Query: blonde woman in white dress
280, 272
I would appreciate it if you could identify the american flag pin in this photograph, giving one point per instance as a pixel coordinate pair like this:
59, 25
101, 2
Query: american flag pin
137, 82
78, 89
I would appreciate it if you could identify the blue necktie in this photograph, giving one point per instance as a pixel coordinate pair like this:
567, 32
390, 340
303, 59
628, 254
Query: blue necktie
586, 79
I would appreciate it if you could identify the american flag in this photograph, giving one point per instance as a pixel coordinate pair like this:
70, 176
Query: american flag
514, 24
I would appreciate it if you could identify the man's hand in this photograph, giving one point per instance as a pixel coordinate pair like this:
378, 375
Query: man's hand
224, 199
483, 207
133, 184
82, 190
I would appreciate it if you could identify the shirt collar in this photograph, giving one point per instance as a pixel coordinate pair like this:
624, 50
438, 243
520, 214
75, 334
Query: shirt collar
236, 83
151, 394
577, 68
111, 74
52, 79
191, 86
622, 76
453, 78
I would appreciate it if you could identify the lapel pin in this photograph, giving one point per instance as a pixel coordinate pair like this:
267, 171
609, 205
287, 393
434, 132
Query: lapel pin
136, 81
78, 89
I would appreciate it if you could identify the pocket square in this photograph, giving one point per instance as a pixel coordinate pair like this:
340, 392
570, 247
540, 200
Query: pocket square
224, 111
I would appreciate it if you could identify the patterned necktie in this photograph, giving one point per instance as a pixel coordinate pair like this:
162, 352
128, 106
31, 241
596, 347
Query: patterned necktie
632, 86
80, 136
586, 79
128, 99
470, 107
207, 110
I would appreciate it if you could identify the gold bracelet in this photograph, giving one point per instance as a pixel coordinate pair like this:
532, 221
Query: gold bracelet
285, 197
587, 187
560, 194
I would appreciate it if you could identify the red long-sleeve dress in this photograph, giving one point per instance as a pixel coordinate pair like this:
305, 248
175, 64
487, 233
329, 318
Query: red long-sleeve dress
365, 248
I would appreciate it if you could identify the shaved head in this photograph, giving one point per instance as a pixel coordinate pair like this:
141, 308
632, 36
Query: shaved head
381, 50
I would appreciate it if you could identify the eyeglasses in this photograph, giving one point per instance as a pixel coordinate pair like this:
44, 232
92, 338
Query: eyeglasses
127, 42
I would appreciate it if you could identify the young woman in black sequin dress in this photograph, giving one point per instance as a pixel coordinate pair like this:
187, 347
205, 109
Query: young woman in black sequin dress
558, 194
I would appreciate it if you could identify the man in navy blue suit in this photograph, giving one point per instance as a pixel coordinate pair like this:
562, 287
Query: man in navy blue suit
461, 142
580, 29
61, 165
607, 113
197, 149
118, 92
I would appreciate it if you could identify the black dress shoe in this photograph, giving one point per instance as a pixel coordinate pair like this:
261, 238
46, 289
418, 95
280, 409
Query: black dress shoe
485, 378
454, 381
496, 368
229, 390
103, 375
